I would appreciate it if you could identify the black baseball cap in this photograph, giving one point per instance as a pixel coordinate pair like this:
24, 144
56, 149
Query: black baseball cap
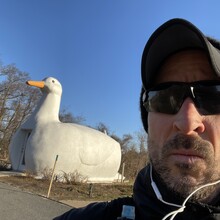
173, 36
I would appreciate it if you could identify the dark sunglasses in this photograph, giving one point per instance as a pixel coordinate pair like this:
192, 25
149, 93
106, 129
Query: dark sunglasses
168, 97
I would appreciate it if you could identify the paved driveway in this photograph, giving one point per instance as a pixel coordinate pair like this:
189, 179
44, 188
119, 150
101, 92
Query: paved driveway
18, 205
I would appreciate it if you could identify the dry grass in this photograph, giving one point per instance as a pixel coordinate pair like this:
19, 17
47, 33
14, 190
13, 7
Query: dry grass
70, 191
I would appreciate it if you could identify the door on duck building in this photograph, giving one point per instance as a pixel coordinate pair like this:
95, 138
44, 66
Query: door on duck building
23, 149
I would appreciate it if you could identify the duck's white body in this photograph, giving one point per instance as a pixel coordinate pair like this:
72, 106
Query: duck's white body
36, 143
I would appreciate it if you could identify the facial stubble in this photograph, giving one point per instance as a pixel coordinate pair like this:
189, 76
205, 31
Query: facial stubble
182, 184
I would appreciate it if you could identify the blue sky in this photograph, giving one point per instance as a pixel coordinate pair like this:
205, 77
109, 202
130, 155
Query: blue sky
93, 47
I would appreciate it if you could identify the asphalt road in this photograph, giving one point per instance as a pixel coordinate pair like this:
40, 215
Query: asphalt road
18, 205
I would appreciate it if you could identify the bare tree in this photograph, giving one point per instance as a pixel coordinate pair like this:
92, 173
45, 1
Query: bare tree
67, 117
143, 159
134, 152
103, 128
17, 101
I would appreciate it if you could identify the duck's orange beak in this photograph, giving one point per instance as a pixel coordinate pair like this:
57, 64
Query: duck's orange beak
39, 84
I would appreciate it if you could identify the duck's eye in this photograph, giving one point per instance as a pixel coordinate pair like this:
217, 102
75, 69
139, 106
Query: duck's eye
53, 81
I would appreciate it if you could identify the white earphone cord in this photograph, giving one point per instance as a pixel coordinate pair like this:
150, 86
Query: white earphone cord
181, 208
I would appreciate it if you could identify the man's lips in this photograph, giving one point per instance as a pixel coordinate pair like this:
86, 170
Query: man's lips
186, 156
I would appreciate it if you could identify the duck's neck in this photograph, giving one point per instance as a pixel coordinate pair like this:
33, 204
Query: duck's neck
48, 108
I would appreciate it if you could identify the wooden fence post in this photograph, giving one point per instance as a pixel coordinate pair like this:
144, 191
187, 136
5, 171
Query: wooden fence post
123, 172
51, 181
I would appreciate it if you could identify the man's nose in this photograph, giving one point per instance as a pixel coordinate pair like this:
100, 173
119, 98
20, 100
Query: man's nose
188, 120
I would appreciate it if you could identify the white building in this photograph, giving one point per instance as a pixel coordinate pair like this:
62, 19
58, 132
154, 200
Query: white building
36, 143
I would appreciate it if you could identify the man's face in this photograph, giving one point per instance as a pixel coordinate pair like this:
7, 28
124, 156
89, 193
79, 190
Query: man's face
184, 148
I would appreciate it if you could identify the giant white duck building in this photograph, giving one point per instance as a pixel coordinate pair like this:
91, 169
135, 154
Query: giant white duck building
42, 137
